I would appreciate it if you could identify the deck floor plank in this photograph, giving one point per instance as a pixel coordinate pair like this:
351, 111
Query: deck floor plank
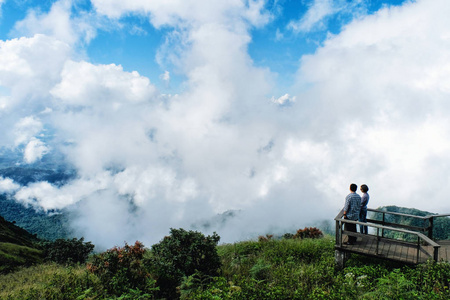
394, 250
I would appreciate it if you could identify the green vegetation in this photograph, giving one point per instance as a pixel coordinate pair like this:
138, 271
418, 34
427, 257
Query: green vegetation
17, 247
190, 265
197, 268
183, 253
121, 270
441, 225
20, 248
67, 251
13, 256
50, 281
43, 225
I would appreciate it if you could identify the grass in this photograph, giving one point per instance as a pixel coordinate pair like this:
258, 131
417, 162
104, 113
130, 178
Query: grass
47, 281
304, 269
13, 255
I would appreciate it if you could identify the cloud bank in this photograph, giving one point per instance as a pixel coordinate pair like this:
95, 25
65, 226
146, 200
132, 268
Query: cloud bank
369, 106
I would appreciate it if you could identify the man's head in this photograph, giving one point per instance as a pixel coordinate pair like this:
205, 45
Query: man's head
364, 188
353, 187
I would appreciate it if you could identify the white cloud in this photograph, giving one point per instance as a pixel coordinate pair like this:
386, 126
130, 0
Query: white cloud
26, 129
370, 107
84, 84
57, 23
165, 77
34, 151
29, 67
190, 12
377, 95
7, 185
285, 99
314, 16
46, 196
317, 15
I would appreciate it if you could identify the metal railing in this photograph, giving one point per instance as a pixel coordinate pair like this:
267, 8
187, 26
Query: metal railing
421, 238
428, 221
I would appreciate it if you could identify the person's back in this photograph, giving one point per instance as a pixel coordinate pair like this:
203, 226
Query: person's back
352, 205
351, 211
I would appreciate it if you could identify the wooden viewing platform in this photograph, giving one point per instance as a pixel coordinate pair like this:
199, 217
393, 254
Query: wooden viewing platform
418, 248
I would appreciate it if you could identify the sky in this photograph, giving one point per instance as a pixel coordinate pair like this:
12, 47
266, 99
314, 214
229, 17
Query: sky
174, 111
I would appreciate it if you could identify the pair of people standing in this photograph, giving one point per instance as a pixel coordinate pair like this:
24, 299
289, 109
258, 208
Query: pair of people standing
355, 209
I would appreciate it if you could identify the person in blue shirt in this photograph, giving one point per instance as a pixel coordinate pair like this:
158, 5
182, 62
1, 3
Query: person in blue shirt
351, 211
363, 212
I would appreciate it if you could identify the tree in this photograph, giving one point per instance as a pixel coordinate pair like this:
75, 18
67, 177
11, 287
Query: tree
182, 254
64, 251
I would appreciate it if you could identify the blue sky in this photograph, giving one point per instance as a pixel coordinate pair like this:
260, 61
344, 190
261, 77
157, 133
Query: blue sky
133, 42
189, 108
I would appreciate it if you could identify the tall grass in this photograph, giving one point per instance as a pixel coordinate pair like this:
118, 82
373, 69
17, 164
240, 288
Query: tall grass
48, 281
13, 255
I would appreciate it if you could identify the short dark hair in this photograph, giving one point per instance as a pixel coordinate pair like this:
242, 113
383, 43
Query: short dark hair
364, 188
353, 187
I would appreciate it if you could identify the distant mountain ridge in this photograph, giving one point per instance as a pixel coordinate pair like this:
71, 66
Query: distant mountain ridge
26, 175
48, 226
43, 225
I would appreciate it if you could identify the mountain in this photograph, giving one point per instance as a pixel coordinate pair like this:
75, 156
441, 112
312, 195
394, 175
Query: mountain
46, 225
17, 247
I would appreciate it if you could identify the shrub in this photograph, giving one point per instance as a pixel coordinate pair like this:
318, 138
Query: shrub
121, 269
182, 254
288, 236
260, 270
308, 232
64, 251
266, 238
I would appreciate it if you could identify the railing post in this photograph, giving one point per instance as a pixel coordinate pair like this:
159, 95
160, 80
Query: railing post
378, 239
384, 223
338, 231
430, 229
418, 249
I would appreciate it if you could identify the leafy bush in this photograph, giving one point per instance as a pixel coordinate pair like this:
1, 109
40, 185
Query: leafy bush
266, 238
288, 236
182, 254
308, 232
121, 270
260, 270
64, 251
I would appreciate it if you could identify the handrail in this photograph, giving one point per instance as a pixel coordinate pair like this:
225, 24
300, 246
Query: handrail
408, 215
419, 234
430, 219
339, 220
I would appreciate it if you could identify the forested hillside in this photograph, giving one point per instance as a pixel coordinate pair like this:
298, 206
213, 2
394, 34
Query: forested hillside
44, 225
441, 225
17, 247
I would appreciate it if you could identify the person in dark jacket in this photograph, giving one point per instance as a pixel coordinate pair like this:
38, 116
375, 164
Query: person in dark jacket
351, 211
